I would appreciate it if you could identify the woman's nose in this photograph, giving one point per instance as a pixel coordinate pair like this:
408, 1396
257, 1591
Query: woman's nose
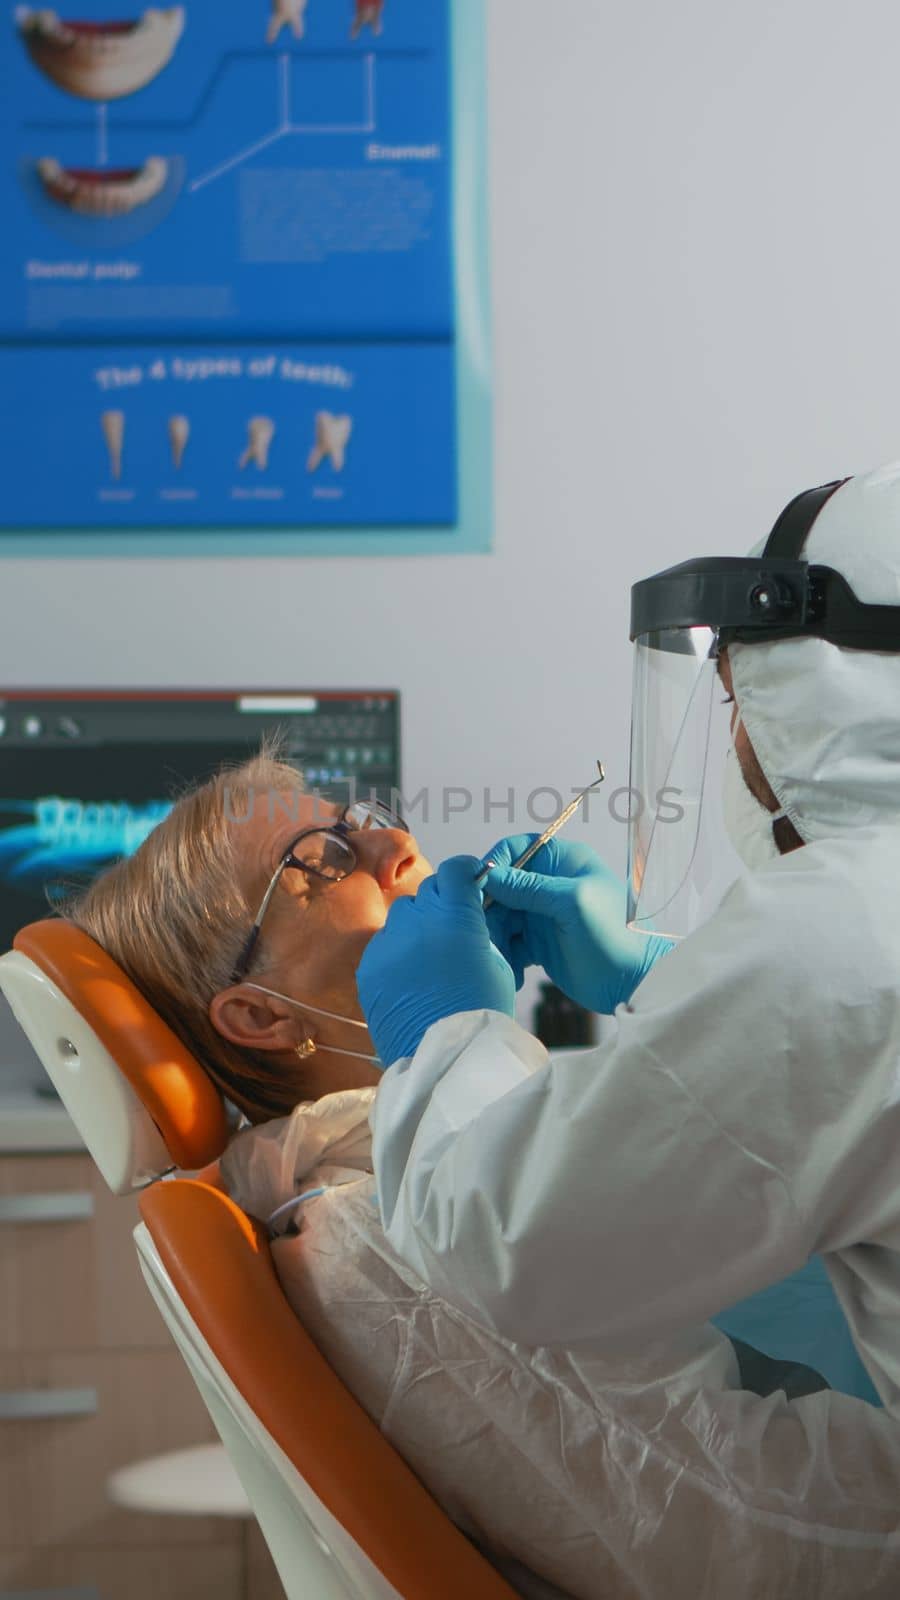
390, 854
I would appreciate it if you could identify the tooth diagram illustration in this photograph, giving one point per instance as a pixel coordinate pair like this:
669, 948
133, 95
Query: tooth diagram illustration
179, 430
101, 60
286, 14
103, 191
113, 425
368, 12
332, 436
260, 432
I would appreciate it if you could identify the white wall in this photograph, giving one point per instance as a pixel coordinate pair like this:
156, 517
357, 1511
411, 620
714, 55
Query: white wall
695, 245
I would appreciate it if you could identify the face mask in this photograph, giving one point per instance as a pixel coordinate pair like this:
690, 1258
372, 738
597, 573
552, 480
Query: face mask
334, 1015
747, 822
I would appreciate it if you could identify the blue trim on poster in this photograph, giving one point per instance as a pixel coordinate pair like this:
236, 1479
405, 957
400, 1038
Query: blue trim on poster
473, 532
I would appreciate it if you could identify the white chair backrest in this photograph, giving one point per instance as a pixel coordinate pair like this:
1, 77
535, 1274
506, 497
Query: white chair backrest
343, 1515
312, 1552
120, 1135
139, 1099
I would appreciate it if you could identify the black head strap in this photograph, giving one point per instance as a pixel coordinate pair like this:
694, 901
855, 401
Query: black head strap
833, 610
780, 595
791, 531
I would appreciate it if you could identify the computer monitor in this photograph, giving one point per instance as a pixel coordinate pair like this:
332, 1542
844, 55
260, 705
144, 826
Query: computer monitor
85, 775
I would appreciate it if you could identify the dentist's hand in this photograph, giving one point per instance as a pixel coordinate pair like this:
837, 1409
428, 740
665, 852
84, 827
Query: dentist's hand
566, 913
432, 958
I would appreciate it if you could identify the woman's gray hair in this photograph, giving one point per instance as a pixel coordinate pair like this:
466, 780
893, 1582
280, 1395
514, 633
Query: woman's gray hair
175, 916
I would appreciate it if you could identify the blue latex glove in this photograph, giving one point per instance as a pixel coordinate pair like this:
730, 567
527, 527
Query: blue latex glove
432, 958
566, 913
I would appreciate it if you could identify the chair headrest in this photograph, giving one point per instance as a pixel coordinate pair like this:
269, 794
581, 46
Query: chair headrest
140, 1100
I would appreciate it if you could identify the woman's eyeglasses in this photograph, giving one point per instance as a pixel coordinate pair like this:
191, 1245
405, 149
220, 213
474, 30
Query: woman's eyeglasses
325, 853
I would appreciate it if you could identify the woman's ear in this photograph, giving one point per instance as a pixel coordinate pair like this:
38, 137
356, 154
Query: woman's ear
255, 1021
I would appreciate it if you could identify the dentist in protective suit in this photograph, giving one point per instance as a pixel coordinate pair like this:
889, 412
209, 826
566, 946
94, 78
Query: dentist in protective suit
746, 1115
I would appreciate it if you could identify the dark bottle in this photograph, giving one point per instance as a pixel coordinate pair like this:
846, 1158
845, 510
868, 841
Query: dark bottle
559, 1023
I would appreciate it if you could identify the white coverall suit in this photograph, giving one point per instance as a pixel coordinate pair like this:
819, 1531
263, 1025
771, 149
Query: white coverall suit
581, 1477
747, 1113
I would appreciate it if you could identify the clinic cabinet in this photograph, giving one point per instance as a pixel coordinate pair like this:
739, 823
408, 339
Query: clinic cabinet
90, 1381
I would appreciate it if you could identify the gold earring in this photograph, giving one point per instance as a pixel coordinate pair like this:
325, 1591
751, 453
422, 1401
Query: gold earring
305, 1049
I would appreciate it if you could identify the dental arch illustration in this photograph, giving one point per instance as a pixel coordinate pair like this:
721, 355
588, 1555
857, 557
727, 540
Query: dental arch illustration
103, 191
101, 60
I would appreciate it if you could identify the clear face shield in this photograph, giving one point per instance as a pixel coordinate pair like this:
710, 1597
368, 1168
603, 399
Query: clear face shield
680, 859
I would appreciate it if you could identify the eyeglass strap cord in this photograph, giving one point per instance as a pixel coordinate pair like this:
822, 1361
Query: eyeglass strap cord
304, 1005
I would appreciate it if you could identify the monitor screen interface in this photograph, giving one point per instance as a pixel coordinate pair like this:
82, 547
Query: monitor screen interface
84, 777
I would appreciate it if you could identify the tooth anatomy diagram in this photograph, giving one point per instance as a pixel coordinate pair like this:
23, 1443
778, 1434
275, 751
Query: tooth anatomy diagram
229, 290
286, 14
368, 13
104, 61
101, 60
286, 124
102, 191
113, 425
332, 438
179, 430
260, 432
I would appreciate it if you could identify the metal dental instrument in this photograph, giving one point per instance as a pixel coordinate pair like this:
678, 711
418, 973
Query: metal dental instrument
548, 833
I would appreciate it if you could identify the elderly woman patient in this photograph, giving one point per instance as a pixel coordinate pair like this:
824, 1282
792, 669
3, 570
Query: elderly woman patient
242, 918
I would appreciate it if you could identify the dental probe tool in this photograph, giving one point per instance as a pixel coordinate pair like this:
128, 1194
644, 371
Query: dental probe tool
548, 833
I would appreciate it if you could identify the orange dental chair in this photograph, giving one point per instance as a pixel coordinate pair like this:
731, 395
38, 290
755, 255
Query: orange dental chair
343, 1516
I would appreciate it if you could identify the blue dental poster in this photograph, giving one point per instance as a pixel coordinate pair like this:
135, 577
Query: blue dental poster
228, 289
